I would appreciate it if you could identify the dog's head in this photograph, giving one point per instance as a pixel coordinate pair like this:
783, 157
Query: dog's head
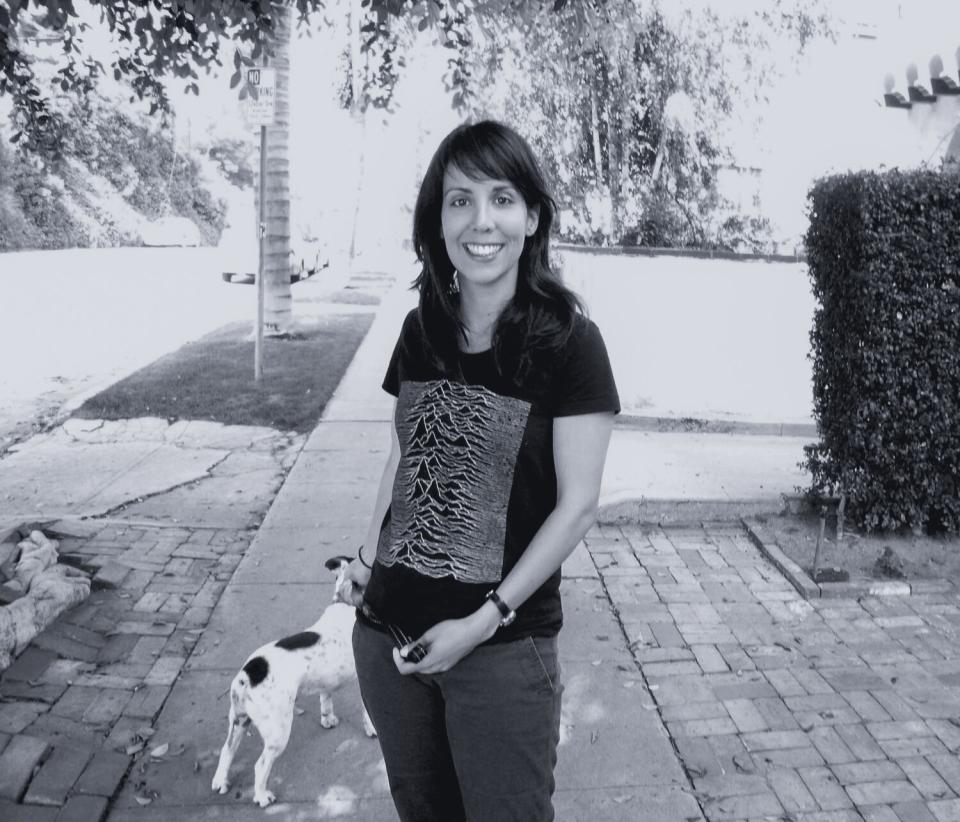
339, 566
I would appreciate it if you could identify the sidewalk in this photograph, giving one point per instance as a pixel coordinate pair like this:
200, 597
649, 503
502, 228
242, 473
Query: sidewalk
616, 760
698, 683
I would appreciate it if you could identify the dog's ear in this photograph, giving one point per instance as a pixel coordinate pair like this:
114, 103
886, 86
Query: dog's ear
335, 563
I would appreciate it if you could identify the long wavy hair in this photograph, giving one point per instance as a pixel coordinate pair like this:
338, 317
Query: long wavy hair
537, 322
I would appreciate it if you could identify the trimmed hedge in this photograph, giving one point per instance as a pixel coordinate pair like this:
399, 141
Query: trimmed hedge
884, 256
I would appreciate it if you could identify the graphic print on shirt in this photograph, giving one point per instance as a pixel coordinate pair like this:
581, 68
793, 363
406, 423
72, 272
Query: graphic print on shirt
459, 446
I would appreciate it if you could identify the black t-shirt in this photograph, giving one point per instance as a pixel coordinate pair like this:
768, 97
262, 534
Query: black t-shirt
476, 480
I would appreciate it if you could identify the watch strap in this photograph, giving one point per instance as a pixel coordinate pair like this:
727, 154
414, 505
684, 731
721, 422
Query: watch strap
507, 614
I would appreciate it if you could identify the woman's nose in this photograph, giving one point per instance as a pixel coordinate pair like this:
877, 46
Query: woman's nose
483, 217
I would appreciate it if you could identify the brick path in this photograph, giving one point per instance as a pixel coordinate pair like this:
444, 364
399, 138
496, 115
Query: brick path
80, 702
827, 711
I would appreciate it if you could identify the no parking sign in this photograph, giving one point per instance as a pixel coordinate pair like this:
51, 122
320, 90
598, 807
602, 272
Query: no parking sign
260, 104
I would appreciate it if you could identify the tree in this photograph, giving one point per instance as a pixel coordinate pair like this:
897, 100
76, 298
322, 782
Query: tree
630, 109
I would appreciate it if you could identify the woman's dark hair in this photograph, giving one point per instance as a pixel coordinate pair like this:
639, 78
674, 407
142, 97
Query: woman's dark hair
539, 319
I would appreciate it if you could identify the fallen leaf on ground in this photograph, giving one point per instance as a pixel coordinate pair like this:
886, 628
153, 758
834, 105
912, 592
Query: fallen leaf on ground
160, 750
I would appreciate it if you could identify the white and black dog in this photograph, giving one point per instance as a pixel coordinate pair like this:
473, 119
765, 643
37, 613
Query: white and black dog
265, 689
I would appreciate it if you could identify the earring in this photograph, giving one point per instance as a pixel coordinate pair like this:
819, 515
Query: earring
454, 287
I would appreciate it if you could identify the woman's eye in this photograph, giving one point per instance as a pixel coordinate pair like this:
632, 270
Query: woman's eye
456, 202
504, 199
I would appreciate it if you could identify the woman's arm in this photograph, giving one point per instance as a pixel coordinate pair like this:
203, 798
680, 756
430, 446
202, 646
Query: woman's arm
579, 451
357, 573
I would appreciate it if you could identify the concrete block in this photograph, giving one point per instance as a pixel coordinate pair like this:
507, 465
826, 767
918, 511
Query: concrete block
30, 665
791, 790
18, 761
924, 778
103, 774
825, 787
879, 771
946, 810
883, 793
14, 812
18, 716
56, 776
83, 809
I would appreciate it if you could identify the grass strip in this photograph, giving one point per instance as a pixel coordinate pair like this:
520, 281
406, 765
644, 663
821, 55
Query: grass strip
212, 378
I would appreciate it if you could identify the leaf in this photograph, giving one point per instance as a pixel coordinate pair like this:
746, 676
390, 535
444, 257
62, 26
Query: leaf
160, 750
235, 79
143, 800
135, 748
145, 732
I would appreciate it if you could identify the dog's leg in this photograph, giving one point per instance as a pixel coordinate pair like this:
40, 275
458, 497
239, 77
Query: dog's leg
235, 731
328, 719
275, 731
368, 728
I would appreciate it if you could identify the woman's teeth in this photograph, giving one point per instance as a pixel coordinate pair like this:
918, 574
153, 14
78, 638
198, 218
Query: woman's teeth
476, 250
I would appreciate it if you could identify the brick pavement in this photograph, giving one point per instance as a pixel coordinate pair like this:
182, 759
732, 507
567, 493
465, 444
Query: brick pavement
78, 705
827, 711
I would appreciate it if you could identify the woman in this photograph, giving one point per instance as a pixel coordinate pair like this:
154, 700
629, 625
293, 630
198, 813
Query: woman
505, 404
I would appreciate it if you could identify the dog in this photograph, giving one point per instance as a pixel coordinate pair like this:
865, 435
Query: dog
265, 689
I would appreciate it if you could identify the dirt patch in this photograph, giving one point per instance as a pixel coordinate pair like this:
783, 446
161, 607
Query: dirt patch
910, 557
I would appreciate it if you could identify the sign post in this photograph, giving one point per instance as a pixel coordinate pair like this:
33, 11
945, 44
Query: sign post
260, 109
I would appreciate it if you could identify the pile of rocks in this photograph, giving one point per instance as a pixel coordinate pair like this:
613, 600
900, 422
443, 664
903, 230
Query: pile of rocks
34, 588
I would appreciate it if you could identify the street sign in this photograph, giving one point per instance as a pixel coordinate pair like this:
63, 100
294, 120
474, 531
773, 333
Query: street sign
260, 104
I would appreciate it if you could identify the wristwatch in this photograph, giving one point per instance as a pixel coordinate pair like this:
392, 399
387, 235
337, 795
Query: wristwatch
507, 614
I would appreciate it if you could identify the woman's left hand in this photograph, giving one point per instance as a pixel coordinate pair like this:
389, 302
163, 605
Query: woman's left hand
446, 643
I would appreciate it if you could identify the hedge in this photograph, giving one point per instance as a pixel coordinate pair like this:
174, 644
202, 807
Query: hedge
884, 257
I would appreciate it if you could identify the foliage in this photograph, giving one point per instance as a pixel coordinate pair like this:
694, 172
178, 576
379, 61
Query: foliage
637, 106
884, 254
135, 155
32, 211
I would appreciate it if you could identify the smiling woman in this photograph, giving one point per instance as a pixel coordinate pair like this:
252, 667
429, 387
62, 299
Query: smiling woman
505, 404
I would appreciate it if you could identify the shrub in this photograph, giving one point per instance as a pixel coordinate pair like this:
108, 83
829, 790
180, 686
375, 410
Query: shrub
884, 256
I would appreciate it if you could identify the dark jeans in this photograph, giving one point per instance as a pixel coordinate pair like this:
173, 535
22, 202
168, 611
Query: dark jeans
477, 743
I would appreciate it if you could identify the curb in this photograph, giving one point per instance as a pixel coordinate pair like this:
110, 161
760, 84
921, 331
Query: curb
854, 589
683, 512
695, 425
697, 512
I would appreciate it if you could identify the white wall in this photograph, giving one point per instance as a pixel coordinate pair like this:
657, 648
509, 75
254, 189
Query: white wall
710, 339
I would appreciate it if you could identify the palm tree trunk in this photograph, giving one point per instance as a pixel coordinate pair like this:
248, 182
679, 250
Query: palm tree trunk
278, 301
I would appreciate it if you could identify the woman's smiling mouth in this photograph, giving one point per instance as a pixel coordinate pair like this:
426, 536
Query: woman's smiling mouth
482, 251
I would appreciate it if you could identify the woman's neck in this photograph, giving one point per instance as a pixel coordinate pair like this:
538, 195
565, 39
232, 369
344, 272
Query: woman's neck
479, 313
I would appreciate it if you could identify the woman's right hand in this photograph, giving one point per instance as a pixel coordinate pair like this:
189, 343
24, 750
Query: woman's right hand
355, 581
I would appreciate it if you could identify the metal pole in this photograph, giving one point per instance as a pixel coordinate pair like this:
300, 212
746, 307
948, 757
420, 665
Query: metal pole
258, 338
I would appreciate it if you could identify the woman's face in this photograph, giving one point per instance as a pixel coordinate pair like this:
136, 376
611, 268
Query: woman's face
484, 224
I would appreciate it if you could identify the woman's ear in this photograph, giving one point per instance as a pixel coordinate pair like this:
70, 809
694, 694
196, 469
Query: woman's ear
533, 220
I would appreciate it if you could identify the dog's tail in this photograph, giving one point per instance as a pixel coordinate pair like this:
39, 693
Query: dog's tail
238, 698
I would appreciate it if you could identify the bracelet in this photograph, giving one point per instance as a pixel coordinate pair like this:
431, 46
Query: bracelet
363, 562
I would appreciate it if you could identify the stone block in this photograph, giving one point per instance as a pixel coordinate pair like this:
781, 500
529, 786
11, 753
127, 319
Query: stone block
946, 810
745, 715
13, 812
107, 706
743, 807
883, 793
83, 809
75, 701
771, 740
18, 761
879, 771
35, 691
825, 787
165, 670
30, 665
924, 778
913, 812
110, 575
103, 774
828, 742
791, 790
860, 742
56, 776
17, 716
